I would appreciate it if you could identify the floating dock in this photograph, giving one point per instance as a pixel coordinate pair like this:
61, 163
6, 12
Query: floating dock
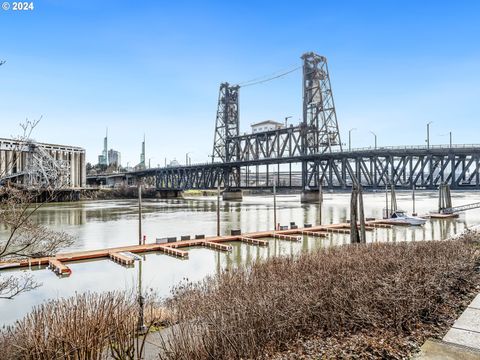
442, 216
122, 258
126, 254
287, 237
218, 246
58, 267
253, 241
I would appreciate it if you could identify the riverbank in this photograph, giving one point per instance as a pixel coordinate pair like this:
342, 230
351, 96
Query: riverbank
374, 301
380, 300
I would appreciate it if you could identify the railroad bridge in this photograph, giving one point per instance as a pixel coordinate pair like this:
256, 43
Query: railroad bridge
310, 154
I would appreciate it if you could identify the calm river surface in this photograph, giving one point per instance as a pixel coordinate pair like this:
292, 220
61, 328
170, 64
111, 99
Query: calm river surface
98, 224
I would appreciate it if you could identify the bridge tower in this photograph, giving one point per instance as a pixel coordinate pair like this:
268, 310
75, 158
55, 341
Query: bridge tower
319, 116
227, 126
320, 132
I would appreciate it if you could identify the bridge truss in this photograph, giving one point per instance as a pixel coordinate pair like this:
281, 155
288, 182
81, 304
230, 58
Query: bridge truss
458, 166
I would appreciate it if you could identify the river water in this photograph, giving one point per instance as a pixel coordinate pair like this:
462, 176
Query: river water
99, 224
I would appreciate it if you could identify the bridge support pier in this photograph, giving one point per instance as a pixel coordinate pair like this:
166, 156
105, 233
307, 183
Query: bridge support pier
310, 196
168, 194
233, 195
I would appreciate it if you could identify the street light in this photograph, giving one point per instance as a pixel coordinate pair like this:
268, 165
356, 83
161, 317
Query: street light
286, 120
350, 138
371, 132
428, 134
450, 137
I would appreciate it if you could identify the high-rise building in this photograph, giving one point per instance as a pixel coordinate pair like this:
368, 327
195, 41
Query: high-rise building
141, 165
103, 159
114, 158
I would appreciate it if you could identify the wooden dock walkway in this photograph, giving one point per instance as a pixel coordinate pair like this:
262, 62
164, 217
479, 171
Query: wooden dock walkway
58, 267
287, 237
218, 246
121, 258
253, 241
173, 249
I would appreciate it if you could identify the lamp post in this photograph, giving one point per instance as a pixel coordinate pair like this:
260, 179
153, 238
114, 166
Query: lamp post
350, 138
371, 132
428, 134
286, 120
450, 138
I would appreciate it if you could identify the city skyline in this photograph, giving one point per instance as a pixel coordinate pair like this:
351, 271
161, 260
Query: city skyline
156, 70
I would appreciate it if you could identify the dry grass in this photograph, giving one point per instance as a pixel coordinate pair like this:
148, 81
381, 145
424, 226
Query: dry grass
85, 326
378, 288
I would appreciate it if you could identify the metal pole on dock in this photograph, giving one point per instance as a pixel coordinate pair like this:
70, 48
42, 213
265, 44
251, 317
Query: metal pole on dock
386, 202
363, 238
274, 204
139, 214
354, 238
141, 302
218, 210
320, 202
413, 201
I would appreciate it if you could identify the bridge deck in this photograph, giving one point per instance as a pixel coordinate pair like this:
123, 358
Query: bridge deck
255, 238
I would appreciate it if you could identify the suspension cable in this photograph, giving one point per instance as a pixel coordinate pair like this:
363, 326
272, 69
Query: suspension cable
261, 80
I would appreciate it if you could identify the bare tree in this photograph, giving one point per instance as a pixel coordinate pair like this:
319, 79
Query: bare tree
25, 238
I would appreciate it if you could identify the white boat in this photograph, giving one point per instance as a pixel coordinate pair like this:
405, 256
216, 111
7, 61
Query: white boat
401, 217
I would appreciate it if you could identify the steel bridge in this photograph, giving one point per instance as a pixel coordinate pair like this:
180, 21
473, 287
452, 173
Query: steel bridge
404, 167
310, 154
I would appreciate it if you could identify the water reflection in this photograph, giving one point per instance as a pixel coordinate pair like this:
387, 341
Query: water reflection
98, 224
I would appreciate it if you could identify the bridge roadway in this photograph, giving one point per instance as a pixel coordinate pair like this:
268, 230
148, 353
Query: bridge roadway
402, 166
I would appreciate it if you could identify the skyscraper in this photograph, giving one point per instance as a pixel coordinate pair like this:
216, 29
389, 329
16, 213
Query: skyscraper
103, 159
142, 155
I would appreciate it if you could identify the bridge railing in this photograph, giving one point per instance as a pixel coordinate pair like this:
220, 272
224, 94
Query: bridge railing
369, 148
420, 147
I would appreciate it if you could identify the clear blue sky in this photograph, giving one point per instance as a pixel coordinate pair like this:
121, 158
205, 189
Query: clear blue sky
154, 67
